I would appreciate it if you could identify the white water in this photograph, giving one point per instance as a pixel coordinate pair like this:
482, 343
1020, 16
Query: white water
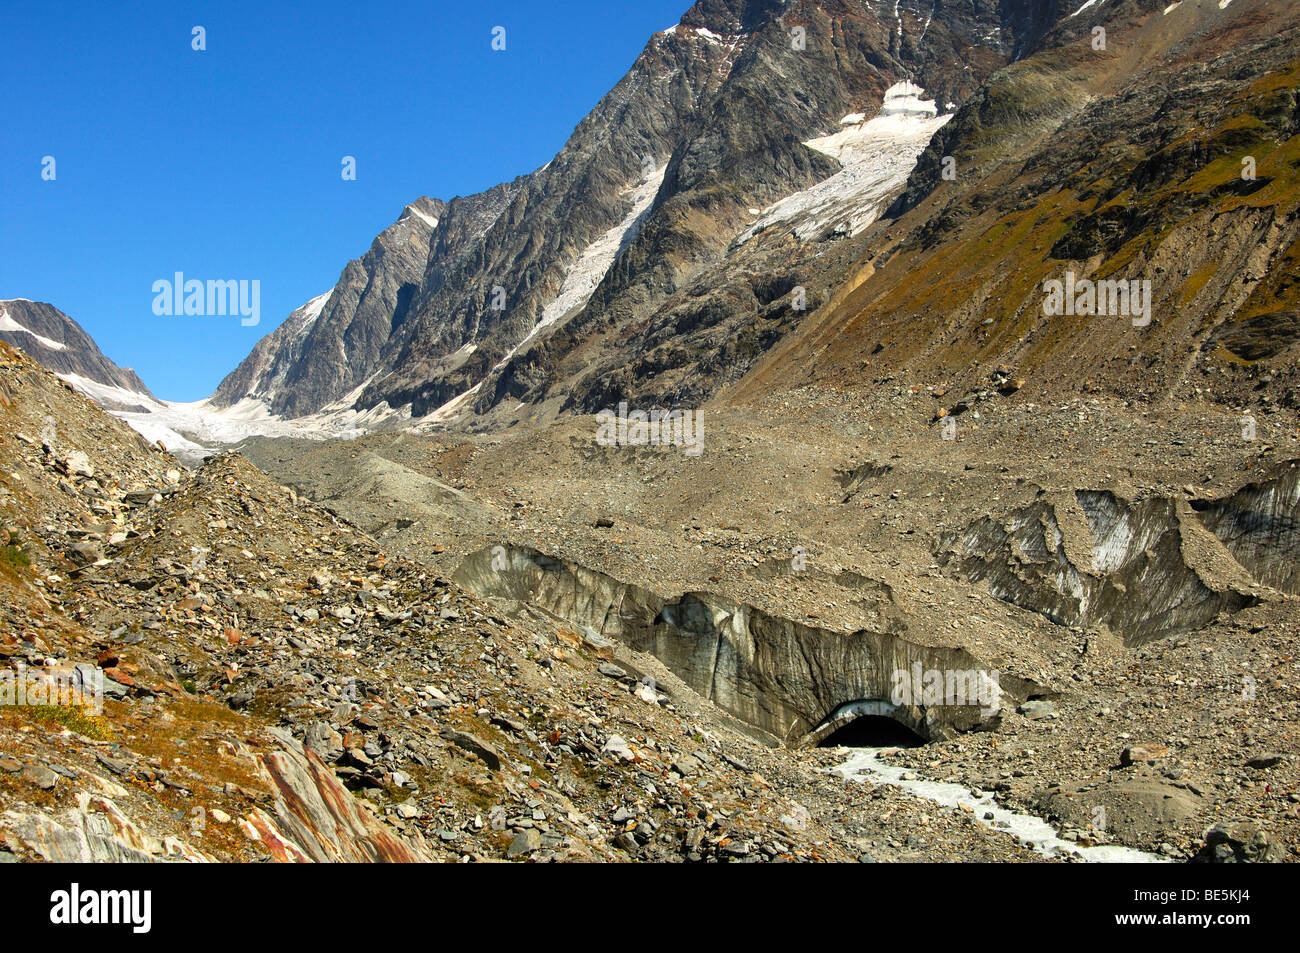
865, 764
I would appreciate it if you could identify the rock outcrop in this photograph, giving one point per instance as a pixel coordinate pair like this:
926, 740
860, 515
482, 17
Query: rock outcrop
319, 817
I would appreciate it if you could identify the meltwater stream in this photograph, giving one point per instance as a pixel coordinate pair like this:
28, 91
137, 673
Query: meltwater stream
865, 764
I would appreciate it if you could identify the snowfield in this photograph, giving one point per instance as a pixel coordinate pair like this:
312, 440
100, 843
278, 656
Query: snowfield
592, 265
209, 427
877, 156
428, 219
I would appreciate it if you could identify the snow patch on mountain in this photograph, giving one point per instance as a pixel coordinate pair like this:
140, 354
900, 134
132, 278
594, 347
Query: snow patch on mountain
429, 219
580, 282
192, 430
717, 39
905, 99
312, 310
450, 410
877, 156
582, 279
149, 421
227, 426
7, 323
109, 394
595, 261
930, 19
155, 431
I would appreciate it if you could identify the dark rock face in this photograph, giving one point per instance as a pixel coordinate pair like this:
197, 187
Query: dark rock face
59, 343
320, 353
548, 219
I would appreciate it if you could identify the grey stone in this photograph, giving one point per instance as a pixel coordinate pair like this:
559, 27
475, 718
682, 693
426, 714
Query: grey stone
40, 776
525, 842
616, 746
1037, 709
475, 744
1266, 760
114, 765
686, 765
324, 741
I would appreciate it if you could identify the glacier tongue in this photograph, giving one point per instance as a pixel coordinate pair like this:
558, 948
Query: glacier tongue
167, 421
877, 156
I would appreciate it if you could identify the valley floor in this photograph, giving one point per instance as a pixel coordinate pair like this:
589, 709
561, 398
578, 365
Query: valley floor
843, 512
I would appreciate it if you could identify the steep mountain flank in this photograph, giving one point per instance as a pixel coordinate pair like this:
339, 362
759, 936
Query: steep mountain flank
595, 191
678, 314
589, 263
331, 345
59, 343
1170, 157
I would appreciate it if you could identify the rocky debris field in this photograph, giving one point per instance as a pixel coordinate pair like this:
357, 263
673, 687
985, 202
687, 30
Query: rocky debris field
1153, 747
277, 687
833, 508
293, 680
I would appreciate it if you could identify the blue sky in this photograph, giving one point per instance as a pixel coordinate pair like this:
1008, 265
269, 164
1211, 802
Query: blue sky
225, 164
